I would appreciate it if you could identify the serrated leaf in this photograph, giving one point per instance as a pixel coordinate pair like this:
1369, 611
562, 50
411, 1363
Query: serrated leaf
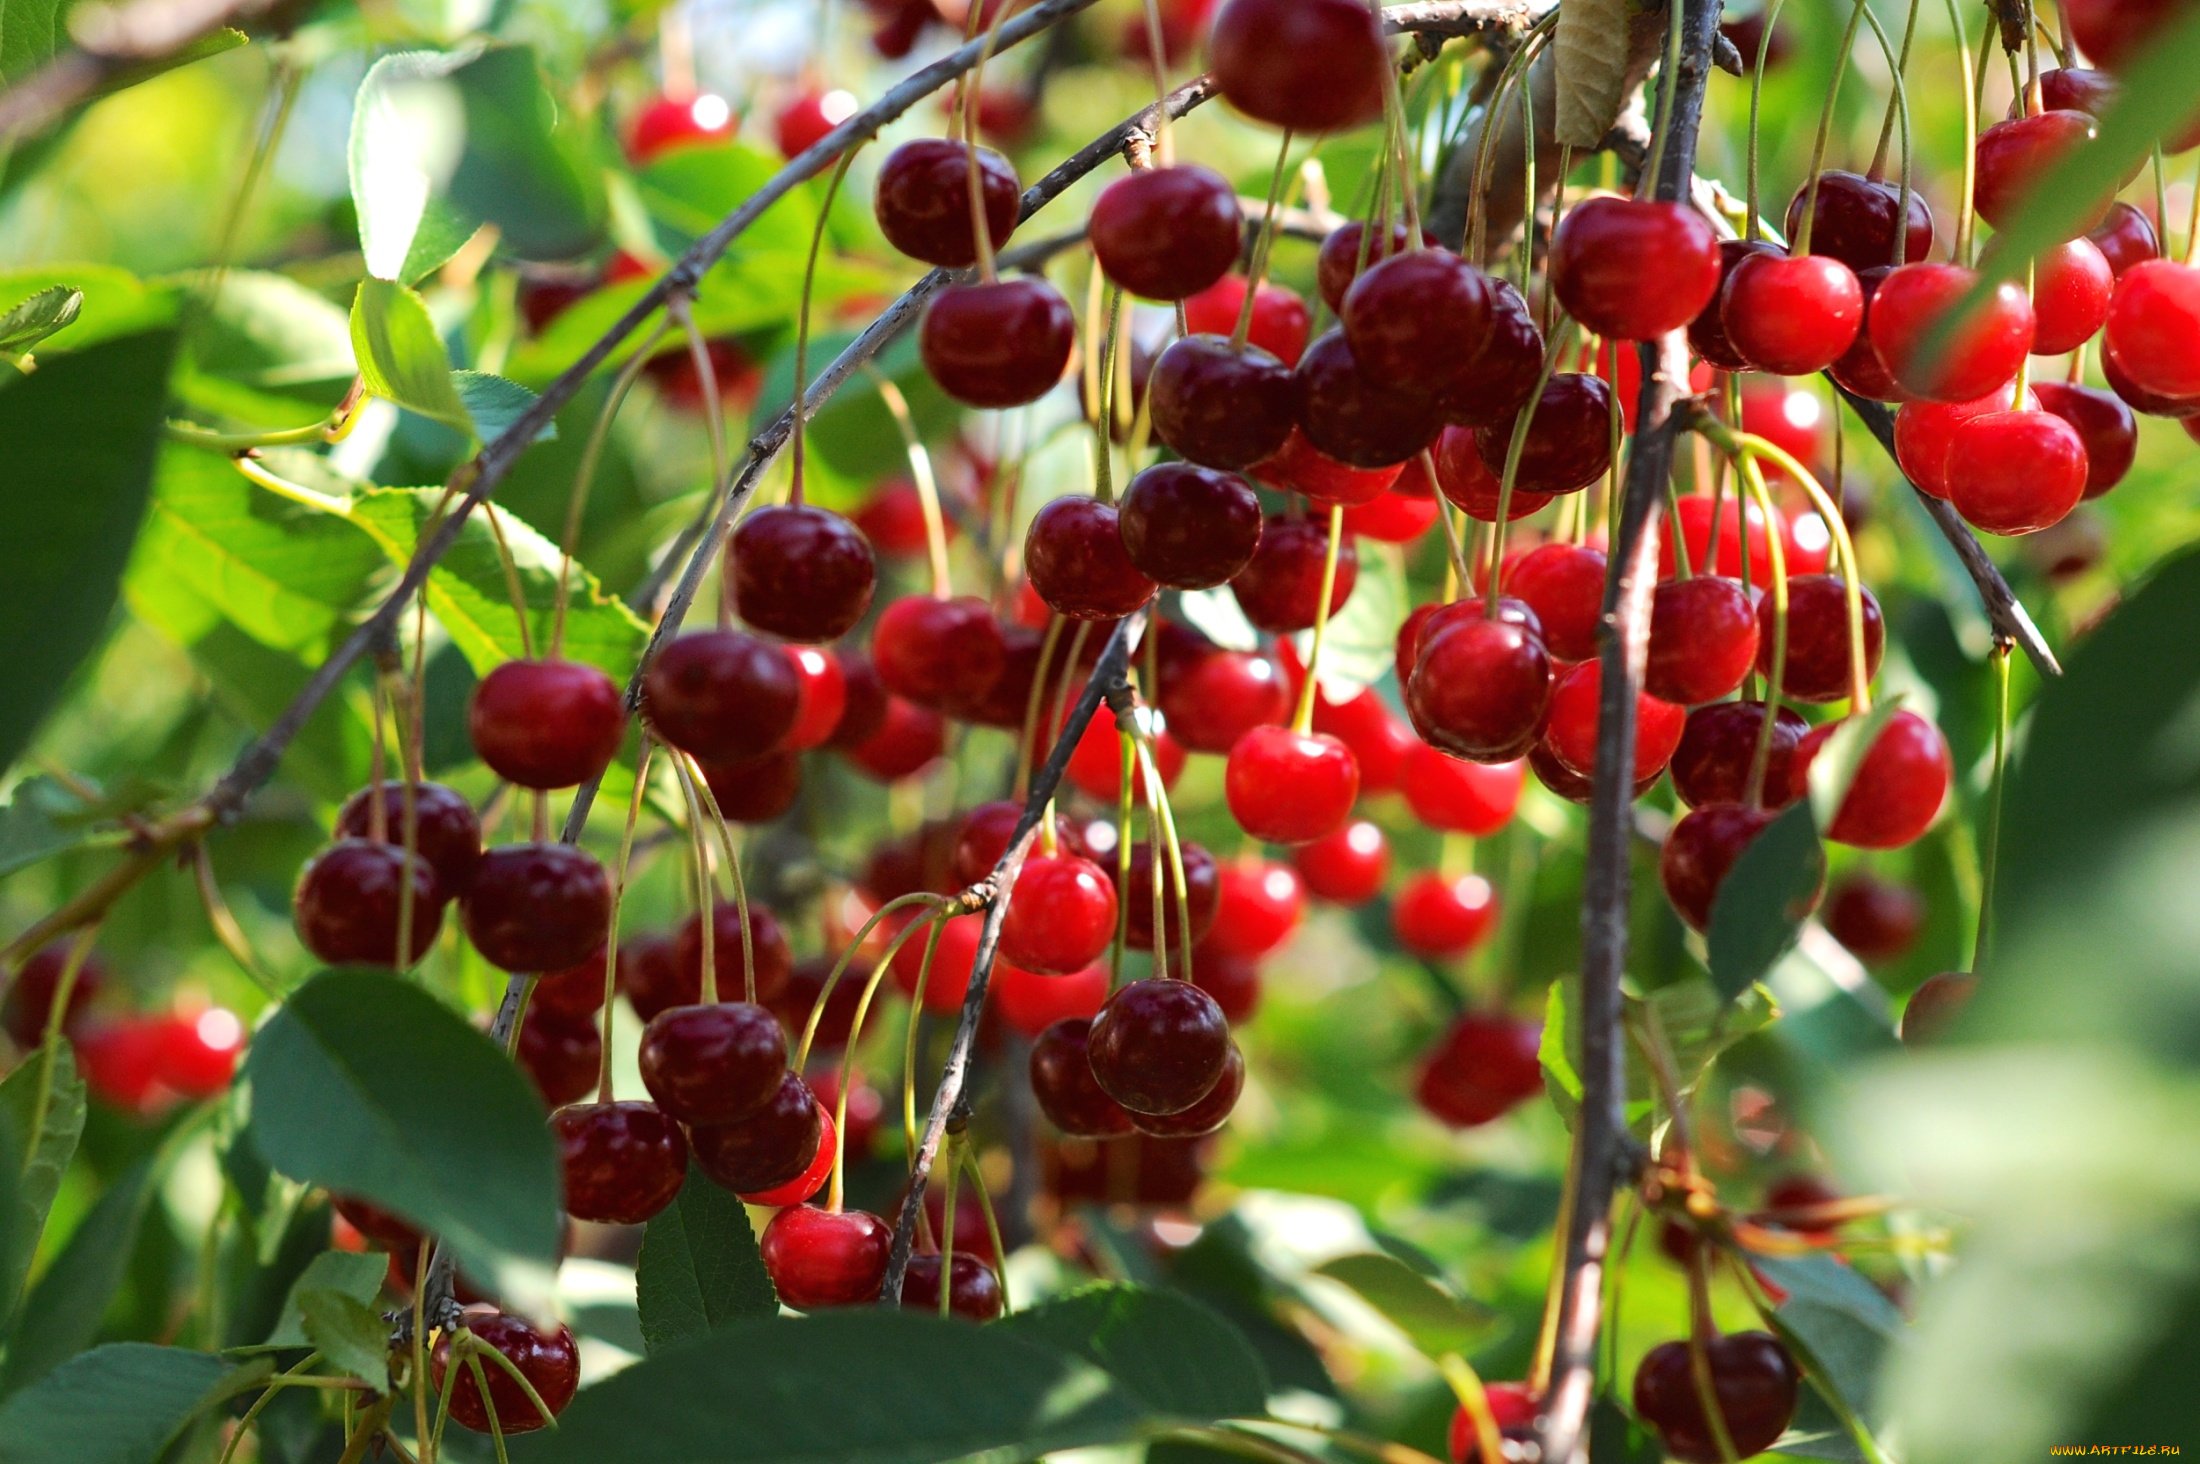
347, 1332
118, 1404
1432, 1316
1176, 1357
1764, 900
43, 1155
699, 1269
30, 322
357, 1275
495, 403
116, 302
62, 1314
400, 355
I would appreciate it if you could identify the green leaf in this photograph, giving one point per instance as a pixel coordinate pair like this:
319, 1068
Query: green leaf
1841, 1325
116, 302
1176, 1357
365, 1084
31, 33
349, 1333
1361, 642
43, 1156
81, 433
495, 403
699, 1269
407, 134
40, 316
1767, 895
62, 1314
356, 1275
400, 355
39, 820
1435, 1318
118, 1404
268, 351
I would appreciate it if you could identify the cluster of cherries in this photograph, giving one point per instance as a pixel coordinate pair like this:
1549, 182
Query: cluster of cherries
141, 1063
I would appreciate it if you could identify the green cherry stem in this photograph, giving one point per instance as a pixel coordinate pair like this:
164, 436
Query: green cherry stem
1990, 855
1302, 720
1825, 124
611, 934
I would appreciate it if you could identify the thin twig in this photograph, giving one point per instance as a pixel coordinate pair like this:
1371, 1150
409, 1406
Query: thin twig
113, 42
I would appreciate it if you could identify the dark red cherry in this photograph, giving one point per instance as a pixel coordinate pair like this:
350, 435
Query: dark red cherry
550, 1361
1415, 320
973, 1291
669, 123
1707, 332
998, 343
1233, 981
2115, 32
923, 200
1479, 689
2071, 288
819, 1258
722, 695
623, 1162
1818, 638
30, 999
1877, 919
1700, 852
1060, 917
1753, 1380
1289, 787
1096, 765
864, 1107
1339, 261
1158, 1046
1856, 220
1280, 588
1280, 325
2153, 329
1484, 1065
650, 976
1570, 726
2077, 89
1223, 695
806, 987
2014, 155
1792, 315
1712, 763
1260, 906
347, 906
1491, 387
755, 792
1165, 233
1564, 585
1349, 416
1220, 407
713, 1064
1600, 255
935, 651
1934, 1007
1063, 1082
1980, 357
801, 573
1925, 431
2016, 472
864, 702
2103, 423
940, 989
1424, 621
1439, 917
770, 1146
1514, 1406
1208, 1114
1860, 371
546, 724
1188, 527
537, 907
1308, 65
1347, 867
446, 832
983, 836
561, 1053
2125, 237
1202, 889
1569, 437
1899, 787
1470, 485
1703, 638
774, 962
1076, 561
1459, 796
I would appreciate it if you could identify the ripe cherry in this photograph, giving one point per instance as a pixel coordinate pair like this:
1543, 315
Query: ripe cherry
1899, 787
713, 1064
1513, 1406
1569, 438
1340, 260
818, 1258
30, 998
1484, 1065
1223, 695
2013, 156
934, 651
864, 700
1208, 1114
649, 974
1459, 796
1860, 371
1791, 315
1935, 1005
1188, 527
2125, 237
1165, 233
998, 343
1290, 787
1925, 431
923, 200
812, 1179
767, 942
2140, 399
669, 123
623, 1162
907, 742
942, 988
973, 1291
1158, 1046
1307, 65
1379, 741
1031, 1003
1280, 323
1981, 356
1697, 512
2072, 285
1700, 852
1479, 689
1712, 763
1470, 485
2153, 329
2103, 423
1415, 320
1570, 727
1060, 917
801, 573
1063, 1082
1077, 563
1280, 587
1877, 919
1350, 416
1438, 917
537, 907
1856, 220
1260, 906
446, 832
1490, 387
821, 700
1703, 639
1348, 867
550, 1361
546, 724
805, 986
1391, 518
809, 117
1604, 245
2115, 32
561, 1053
1564, 585
1753, 1379
1707, 332
347, 906
1218, 406
1096, 765
2016, 472
983, 836
771, 1146
1202, 891
1818, 638
723, 695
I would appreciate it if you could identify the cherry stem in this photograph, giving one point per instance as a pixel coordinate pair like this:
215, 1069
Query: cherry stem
1513, 450
1899, 111
1028, 748
1546, 1342
2192, 225
1126, 770
679, 309
1157, 60
1825, 129
1990, 856
847, 1071
936, 931
733, 871
1964, 218
1394, 142
1897, 102
611, 935
802, 321
1467, 1387
1157, 797
981, 236
584, 477
840, 966
706, 894
992, 1222
49, 1045
1701, 1330
953, 1178
1103, 451
1455, 552
1845, 550
921, 475
1485, 159
1263, 244
1303, 719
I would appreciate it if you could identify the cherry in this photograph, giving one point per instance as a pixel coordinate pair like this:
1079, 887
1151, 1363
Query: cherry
1187, 527
713, 1064
1570, 727
1208, 1114
1856, 220
550, 1361
198, 1051
2071, 288
1935, 1005
1490, 388
1712, 763
809, 117
1379, 741
864, 702
1899, 786
2140, 399
1707, 332
2016, 472
973, 1291
1259, 908
1424, 621
1564, 585
30, 998
805, 986
2153, 329
983, 837
1860, 371
669, 123
801, 573
1699, 853
812, 1179
537, 907
1233, 981
1061, 916
650, 975
1604, 245
1076, 560
758, 791
953, 963
1290, 787
2103, 423
1031, 1003
1877, 919
1134, 1169
2013, 155
1925, 431
560, 1052
1307, 65
1753, 1379
1569, 439
1818, 638
1347, 867
2125, 237
1068, 1093
1391, 518
1202, 895
1703, 639
1281, 585
1349, 416
769, 1147
1096, 764
1280, 324
1218, 406
1414, 322
1485, 1064
1791, 315
1982, 356
923, 200
1222, 696
1304, 468
2077, 89
546, 724
2115, 32
1513, 1406
445, 831
1437, 916
768, 943
1338, 262
1471, 485
1158, 1046
935, 651
819, 1258
723, 695
623, 1161
1165, 233
1459, 796
821, 699
1479, 689
347, 906
1696, 514
998, 343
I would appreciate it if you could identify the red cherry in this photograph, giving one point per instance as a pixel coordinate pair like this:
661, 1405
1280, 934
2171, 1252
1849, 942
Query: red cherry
550, 1361
1339, 260
2125, 237
1479, 689
1289, 787
812, 1179
773, 1146
722, 695
1818, 638
1259, 908
2140, 399
1304, 468
2071, 289
1187, 527
561, 1053
1703, 639
199, 1051
670, 123
1485, 1064
1934, 1007
2014, 155
1696, 513
1570, 728
1218, 406
1470, 485
1753, 1379
1700, 852
1061, 915
1280, 587
934, 651
348, 906
1792, 315
1031, 1003
1513, 1406
537, 907
30, 998
1158, 1046
1347, 867
1391, 518
2153, 330
1076, 561
1876, 919
2103, 423
1564, 585
446, 832
2115, 32
809, 117
1459, 796
713, 1064
1604, 245
1096, 765
623, 1162
546, 724
953, 963
1208, 1114
1222, 696
1925, 431
649, 975
1379, 741
819, 1258
1414, 321
923, 200
973, 1291
1491, 387
1569, 438
1860, 371
909, 740
1707, 332
1712, 763
1856, 220
998, 343
1165, 233
821, 698
767, 942
1062, 1080
892, 518
864, 700
1349, 416
1981, 357
1233, 981
1307, 65
801, 573
1202, 888
2016, 472
1280, 324
1900, 783
1438, 917
795, 1001
983, 837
